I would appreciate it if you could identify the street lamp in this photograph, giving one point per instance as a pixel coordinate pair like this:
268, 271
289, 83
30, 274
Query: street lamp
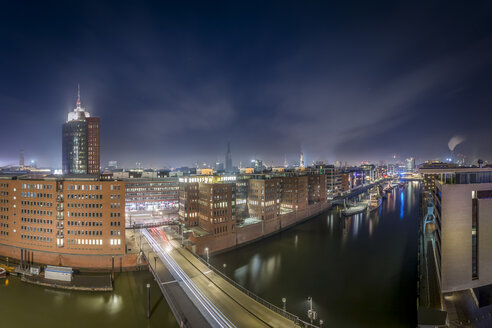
208, 258
284, 302
224, 266
320, 323
312, 315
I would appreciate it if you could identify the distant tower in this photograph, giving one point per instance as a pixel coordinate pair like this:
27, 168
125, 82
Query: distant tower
81, 142
21, 158
285, 161
301, 162
228, 158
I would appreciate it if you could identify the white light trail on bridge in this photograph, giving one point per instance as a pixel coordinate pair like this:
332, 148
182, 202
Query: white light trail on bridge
214, 312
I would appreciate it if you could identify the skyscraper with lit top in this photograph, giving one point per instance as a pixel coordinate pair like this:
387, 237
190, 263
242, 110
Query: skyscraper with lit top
81, 142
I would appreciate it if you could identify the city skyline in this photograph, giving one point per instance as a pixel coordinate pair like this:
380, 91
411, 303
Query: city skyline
171, 87
228, 164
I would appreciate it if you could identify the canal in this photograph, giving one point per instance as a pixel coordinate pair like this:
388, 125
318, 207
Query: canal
25, 305
361, 271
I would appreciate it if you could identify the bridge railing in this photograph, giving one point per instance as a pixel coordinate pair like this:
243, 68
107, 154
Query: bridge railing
260, 300
178, 314
151, 224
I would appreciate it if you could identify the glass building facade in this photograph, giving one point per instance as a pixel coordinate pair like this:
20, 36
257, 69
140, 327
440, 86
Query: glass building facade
74, 147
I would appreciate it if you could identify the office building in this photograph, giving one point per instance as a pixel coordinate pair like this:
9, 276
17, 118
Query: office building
431, 170
76, 221
463, 229
81, 142
410, 164
151, 194
228, 159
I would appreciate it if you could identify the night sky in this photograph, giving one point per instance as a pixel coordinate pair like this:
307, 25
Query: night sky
174, 81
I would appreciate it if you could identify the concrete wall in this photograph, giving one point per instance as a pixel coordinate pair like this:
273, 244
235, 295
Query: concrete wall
214, 243
84, 262
247, 234
456, 238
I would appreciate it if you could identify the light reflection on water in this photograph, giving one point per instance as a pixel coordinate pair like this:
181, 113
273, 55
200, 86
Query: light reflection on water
360, 270
125, 307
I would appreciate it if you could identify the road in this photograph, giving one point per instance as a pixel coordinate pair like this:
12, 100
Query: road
222, 304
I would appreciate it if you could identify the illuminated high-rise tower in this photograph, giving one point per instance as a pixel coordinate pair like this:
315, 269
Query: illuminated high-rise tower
80, 142
301, 162
228, 158
21, 159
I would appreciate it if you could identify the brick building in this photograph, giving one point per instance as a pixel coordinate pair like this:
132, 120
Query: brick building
70, 220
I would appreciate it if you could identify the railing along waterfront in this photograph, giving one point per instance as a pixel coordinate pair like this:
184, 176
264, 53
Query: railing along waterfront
274, 308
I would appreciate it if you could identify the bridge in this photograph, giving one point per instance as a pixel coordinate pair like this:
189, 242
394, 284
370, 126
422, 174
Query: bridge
340, 200
200, 295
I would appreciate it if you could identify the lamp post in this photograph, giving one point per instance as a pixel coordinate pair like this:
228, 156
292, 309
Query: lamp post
224, 266
312, 315
284, 304
208, 258
148, 301
320, 323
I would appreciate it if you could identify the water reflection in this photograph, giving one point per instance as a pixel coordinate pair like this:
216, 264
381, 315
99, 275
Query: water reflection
402, 204
125, 307
365, 262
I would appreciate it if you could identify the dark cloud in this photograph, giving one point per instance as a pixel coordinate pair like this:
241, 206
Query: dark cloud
174, 82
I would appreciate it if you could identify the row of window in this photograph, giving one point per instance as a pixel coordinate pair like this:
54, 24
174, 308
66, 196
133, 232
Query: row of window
95, 242
35, 220
85, 223
36, 229
84, 196
84, 214
36, 195
36, 212
84, 187
28, 203
80, 205
37, 186
37, 238
85, 232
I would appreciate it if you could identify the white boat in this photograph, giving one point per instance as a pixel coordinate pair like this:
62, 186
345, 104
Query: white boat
3, 273
359, 208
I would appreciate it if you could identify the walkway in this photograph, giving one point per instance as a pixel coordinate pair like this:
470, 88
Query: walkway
221, 303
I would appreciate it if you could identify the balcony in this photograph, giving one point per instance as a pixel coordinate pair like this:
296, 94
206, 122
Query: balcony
59, 226
59, 216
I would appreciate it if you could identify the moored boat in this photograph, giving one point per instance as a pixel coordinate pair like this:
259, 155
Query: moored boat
375, 203
359, 208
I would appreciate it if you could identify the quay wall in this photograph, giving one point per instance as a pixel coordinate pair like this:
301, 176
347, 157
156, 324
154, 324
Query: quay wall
81, 262
253, 232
